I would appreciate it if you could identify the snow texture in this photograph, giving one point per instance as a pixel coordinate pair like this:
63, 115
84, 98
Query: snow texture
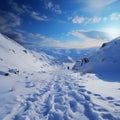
45, 91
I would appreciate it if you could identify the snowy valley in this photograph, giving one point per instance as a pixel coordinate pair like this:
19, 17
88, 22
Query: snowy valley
39, 86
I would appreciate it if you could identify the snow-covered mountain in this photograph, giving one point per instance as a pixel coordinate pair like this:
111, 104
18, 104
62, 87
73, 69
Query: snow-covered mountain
15, 56
46, 90
62, 55
105, 60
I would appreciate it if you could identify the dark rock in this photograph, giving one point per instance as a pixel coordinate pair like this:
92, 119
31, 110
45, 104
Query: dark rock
25, 51
84, 61
6, 74
103, 45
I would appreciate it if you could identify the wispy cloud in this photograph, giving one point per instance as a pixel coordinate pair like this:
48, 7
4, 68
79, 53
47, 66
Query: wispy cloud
37, 16
93, 7
92, 20
20, 9
27, 9
85, 20
53, 7
88, 38
96, 19
17, 36
115, 16
8, 20
16, 7
40, 37
97, 6
78, 19
90, 34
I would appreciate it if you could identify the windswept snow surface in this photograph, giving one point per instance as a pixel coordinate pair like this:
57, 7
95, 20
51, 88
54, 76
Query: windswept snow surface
60, 94
45, 91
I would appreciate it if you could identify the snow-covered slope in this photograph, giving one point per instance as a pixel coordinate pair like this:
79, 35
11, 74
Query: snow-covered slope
16, 59
104, 60
43, 57
39, 93
63, 55
14, 56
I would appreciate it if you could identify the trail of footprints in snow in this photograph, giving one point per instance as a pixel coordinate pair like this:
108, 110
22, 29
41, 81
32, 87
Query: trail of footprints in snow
59, 100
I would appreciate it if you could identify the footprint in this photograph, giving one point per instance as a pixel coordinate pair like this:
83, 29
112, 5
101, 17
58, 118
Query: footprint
108, 116
116, 104
81, 86
109, 98
32, 99
47, 106
82, 90
76, 96
87, 98
96, 94
73, 106
60, 107
54, 116
89, 92
102, 110
29, 85
58, 100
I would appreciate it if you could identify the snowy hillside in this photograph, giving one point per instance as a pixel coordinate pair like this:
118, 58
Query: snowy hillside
14, 56
43, 57
104, 60
16, 65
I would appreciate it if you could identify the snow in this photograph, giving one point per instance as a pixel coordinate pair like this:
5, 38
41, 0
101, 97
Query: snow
105, 61
62, 94
44, 90
14, 56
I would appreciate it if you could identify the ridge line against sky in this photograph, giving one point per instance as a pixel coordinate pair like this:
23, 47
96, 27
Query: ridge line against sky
65, 24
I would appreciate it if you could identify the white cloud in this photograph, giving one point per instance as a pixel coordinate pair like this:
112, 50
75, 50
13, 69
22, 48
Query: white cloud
53, 7
96, 6
87, 39
39, 37
96, 19
27, 9
20, 9
91, 34
36, 16
115, 16
8, 20
17, 36
85, 20
78, 20
90, 38
99, 4
50, 5
105, 19
16, 7
89, 20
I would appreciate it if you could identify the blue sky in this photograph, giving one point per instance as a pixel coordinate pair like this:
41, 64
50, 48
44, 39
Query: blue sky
60, 23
